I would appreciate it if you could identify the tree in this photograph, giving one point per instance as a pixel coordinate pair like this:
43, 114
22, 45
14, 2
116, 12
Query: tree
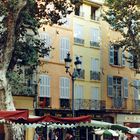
123, 16
19, 23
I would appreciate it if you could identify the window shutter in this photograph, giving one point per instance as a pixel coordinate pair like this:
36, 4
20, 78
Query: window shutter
125, 80
64, 48
136, 91
123, 59
44, 86
110, 86
131, 64
64, 88
111, 55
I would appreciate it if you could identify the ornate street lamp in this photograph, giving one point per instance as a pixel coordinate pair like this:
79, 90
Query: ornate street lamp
73, 75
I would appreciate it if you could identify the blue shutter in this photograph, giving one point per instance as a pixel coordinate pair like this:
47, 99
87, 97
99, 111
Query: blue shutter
136, 90
111, 55
131, 64
125, 80
123, 59
110, 86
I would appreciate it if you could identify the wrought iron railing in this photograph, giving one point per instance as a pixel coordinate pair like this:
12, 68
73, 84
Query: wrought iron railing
89, 104
79, 41
82, 74
65, 103
95, 75
94, 44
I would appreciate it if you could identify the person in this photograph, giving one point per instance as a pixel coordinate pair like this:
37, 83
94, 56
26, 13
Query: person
69, 136
52, 135
135, 138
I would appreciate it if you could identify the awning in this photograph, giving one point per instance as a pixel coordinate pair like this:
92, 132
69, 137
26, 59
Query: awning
7, 115
124, 129
135, 131
106, 132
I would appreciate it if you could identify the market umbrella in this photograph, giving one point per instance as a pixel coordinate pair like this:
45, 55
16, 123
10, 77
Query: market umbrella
135, 131
124, 129
106, 132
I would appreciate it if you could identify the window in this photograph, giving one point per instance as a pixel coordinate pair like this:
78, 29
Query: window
44, 86
95, 13
95, 93
95, 98
79, 97
116, 56
117, 86
117, 89
64, 88
64, 48
137, 94
95, 69
136, 89
79, 11
95, 64
78, 34
79, 93
95, 37
48, 42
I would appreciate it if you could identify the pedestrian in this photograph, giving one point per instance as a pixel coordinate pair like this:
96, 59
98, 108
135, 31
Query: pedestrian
52, 135
69, 136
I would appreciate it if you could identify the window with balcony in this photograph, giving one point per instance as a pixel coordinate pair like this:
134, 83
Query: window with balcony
95, 38
64, 48
81, 75
95, 98
117, 90
79, 97
95, 69
78, 34
116, 56
64, 92
44, 94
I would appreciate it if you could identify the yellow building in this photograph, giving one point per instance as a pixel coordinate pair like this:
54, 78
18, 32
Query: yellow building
87, 37
54, 83
120, 82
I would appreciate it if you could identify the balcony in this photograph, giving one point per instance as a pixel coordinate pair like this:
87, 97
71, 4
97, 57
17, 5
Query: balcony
78, 41
94, 44
119, 103
82, 74
87, 104
64, 103
95, 75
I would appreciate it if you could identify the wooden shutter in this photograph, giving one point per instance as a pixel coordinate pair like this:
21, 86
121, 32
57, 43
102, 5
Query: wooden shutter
136, 91
110, 86
125, 81
123, 59
64, 88
64, 48
111, 55
44, 86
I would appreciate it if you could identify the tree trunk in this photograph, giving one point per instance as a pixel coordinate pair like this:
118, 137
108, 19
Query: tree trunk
6, 100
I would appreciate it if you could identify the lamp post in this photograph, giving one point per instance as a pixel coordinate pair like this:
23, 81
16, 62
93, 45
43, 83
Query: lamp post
73, 75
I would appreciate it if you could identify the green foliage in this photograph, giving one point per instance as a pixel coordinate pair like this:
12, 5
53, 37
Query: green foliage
27, 46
